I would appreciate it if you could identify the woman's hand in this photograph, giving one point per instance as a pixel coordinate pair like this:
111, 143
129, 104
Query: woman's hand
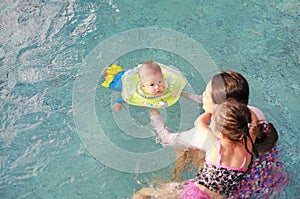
154, 111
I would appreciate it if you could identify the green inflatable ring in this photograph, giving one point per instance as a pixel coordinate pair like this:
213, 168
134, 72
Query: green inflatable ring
134, 95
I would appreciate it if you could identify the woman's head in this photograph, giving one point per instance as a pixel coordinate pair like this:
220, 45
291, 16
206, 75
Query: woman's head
225, 85
232, 119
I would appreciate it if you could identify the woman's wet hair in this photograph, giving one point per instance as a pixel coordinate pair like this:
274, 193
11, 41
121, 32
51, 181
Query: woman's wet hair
229, 84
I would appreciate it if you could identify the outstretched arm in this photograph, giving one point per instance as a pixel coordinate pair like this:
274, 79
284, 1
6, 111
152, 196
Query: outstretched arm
190, 138
162, 132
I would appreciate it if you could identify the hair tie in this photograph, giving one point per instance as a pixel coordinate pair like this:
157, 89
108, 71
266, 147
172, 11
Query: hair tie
265, 128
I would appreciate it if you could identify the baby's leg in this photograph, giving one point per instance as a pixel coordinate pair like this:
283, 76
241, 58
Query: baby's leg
118, 105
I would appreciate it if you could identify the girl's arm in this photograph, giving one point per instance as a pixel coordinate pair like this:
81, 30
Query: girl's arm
203, 120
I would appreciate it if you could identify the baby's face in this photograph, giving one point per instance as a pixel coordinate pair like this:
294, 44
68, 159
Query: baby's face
153, 84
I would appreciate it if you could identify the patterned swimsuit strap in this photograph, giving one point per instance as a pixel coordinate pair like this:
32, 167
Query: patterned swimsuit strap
220, 155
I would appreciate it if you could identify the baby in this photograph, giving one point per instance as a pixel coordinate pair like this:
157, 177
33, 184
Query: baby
147, 85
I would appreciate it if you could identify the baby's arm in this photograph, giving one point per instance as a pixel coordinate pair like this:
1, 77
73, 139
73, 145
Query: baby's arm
196, 98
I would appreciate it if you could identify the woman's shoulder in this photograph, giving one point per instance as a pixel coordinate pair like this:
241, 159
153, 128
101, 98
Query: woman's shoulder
259, 114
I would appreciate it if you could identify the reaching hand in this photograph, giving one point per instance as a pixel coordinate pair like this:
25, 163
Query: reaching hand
154, 111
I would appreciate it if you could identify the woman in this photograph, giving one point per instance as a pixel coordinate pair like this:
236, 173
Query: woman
225, 85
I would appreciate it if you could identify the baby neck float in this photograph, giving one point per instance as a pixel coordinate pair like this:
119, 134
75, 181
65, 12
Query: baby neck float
133, 94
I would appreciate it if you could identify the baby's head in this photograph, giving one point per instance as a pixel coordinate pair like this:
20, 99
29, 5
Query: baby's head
152, 79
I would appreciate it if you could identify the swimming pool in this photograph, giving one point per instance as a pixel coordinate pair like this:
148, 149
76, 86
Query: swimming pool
54, 110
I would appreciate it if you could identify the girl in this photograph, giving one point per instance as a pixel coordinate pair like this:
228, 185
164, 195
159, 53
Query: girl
228, 143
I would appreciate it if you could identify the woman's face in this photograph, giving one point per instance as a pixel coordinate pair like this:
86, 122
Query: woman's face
207, 99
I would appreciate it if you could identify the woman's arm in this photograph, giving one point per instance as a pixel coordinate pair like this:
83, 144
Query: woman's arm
259, 114
191, 138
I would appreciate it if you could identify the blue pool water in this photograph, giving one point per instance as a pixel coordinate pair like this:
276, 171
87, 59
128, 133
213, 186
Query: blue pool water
59, 137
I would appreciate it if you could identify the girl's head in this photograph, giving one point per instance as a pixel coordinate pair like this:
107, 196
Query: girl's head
231, 119
225, 85
152, 79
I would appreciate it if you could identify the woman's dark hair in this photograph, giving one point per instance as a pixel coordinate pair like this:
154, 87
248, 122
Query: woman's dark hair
229, 84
